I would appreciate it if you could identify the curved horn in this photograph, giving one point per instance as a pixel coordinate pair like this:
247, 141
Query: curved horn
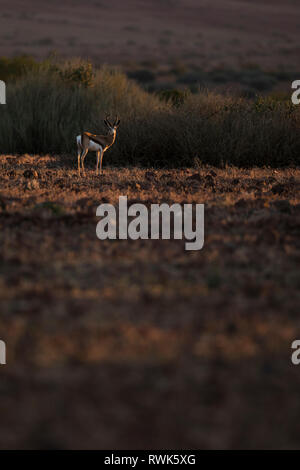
116, 120
108, 120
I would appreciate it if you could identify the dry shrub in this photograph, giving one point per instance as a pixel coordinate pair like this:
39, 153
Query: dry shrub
46, 110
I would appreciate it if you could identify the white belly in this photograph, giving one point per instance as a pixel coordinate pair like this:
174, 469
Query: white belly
93, 147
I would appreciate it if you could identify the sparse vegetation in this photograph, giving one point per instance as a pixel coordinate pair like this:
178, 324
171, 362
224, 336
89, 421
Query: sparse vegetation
16, 67
176, 97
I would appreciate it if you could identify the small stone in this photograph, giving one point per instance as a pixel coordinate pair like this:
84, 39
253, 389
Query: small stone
270, 180
59, 182
209, 178
277, 189
209, 181
12, 174
31, 185
194, 177
30, 174
149, 175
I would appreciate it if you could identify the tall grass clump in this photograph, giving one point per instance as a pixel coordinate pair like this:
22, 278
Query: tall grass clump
215, 129
49, 106
14, 68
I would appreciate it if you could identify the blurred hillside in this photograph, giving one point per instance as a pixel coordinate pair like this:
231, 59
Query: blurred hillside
202, 33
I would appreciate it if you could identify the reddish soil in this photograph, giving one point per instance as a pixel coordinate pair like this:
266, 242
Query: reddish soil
141, 344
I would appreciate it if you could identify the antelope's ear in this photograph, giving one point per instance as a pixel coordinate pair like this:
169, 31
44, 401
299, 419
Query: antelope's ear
105, 122
118, 123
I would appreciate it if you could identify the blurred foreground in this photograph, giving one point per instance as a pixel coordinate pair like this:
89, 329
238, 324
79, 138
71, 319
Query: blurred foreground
140, 344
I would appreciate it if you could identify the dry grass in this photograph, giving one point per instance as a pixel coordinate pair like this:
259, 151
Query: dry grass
47, 109
140, 344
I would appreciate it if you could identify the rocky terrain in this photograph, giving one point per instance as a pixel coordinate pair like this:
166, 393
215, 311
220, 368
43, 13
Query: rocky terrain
141, 344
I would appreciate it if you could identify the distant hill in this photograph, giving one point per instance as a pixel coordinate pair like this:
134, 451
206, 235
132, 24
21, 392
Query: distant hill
205, 33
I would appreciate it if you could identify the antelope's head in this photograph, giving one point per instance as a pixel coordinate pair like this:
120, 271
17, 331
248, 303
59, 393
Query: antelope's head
112, 128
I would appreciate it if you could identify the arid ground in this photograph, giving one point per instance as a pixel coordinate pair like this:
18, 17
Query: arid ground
141, 344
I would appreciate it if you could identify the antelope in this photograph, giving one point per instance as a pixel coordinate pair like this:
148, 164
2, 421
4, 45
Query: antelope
96, 143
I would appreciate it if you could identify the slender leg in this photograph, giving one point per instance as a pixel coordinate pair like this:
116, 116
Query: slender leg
98, 158
102, 153
78, 158
82, 159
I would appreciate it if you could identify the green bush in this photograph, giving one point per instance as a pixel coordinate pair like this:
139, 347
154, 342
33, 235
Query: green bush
81, 74
176, 97
14, 68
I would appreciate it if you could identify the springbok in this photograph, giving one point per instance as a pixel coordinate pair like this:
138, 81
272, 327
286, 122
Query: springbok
96, 143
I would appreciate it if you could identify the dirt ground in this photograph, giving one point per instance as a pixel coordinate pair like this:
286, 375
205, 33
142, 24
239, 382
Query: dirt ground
141, 344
